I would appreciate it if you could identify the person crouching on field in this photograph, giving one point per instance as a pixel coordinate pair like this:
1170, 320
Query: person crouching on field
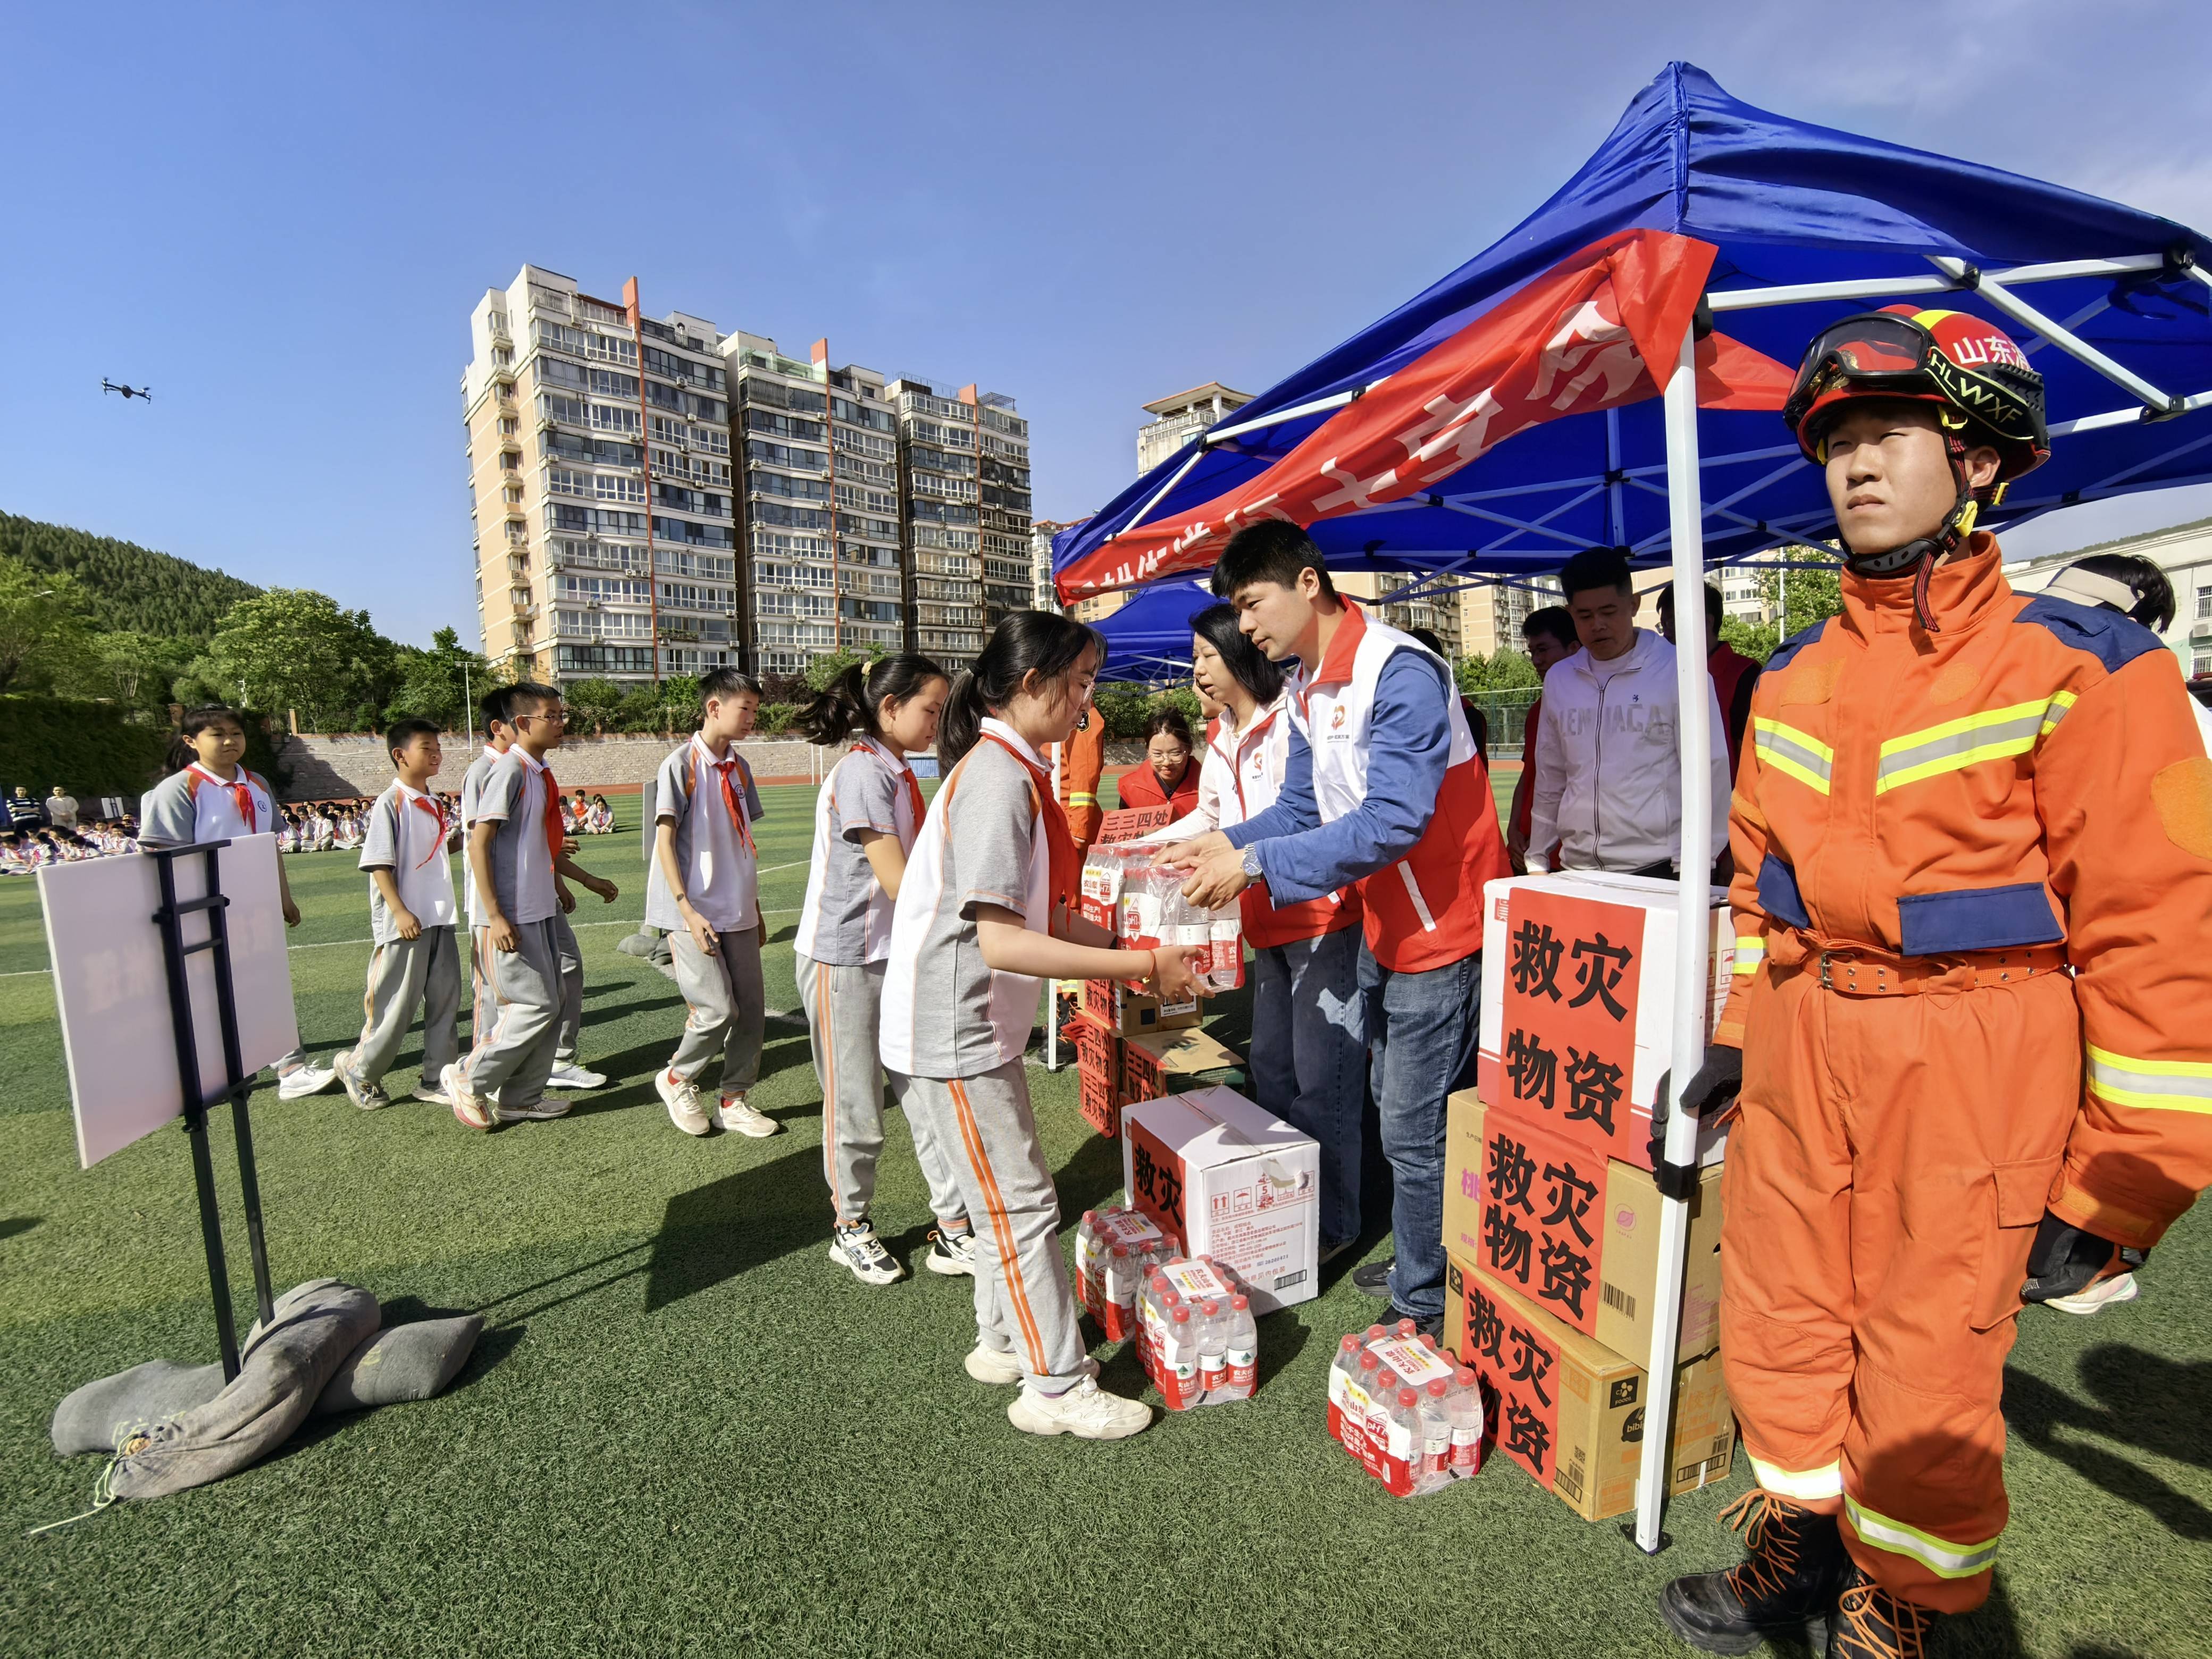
703, 889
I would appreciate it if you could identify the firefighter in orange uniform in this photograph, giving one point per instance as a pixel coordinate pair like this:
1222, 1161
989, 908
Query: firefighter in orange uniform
1972, 835
1077, 766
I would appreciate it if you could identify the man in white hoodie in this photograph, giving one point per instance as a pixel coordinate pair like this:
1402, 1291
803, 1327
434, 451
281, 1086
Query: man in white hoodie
1608, 785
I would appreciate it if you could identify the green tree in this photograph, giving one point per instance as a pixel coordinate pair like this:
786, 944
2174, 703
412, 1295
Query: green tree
126, 588
46, 644
1503, 670
435, 684
294, 649
139, 671
1804, 597
823, 670
593, 704
1755, 640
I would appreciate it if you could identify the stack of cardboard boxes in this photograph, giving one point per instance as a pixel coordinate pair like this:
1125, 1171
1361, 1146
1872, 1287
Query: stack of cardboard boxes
1551, 1210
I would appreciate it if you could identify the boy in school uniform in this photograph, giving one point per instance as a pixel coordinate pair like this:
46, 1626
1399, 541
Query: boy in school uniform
703, 889
410, 919
567, 1073
516, 852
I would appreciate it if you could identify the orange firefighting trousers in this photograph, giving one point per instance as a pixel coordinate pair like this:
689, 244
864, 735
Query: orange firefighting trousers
1882, 1189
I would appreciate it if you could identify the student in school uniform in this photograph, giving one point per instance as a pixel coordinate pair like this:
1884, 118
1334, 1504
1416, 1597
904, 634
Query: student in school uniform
209, 795
703, 888
866, 819
568, 1075
978, 923
414, 963
516, 852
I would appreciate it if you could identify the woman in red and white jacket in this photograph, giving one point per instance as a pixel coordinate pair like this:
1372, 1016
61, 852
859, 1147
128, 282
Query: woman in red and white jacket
1308, 1026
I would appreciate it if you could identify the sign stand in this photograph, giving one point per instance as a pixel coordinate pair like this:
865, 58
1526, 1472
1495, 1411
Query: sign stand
237, 1089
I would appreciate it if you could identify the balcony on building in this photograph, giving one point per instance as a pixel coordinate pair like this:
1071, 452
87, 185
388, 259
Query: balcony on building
1176, 420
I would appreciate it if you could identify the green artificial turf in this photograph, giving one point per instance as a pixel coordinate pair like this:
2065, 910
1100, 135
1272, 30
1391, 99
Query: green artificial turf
685, 1432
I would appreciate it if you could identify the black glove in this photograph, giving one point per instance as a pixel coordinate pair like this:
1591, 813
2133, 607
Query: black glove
1710, 1094
2065, 1260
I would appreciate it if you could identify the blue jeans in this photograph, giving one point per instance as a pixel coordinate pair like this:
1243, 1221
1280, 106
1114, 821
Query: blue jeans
1309, 1058
1421, 1029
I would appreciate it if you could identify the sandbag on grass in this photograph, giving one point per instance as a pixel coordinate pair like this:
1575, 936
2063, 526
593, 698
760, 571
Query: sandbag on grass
402, 1361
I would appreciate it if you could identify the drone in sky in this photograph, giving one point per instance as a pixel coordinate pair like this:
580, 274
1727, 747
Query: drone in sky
128, 391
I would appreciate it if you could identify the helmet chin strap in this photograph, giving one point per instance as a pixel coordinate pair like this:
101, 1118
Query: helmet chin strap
1921, 557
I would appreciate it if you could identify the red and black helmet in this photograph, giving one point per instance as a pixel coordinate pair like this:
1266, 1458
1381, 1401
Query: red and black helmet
1985, 390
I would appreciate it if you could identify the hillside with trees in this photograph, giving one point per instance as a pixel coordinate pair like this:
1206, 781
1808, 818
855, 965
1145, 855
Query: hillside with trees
126, 588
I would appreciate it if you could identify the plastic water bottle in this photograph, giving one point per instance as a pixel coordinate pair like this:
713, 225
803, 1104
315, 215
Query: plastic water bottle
1341, 1370
1465, 1399
1212, 1350
1244, 1349
1225, 947
1436, 1437
1359, 1395
1122, 1289
1179, 1361
1191, 929
1086, 1261
1405, 1435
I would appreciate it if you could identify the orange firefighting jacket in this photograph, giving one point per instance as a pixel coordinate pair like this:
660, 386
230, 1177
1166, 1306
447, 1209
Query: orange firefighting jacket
2029, 780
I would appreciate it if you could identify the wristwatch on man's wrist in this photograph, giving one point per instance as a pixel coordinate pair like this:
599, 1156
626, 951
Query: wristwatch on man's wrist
1251, 864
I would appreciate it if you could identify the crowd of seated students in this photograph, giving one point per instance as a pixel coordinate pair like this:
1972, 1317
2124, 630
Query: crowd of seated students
22, 852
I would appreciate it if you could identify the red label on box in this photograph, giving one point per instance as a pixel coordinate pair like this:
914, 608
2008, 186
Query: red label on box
1541, 1224
1572, 979
1522, 1370
1131, 822
1157, 1181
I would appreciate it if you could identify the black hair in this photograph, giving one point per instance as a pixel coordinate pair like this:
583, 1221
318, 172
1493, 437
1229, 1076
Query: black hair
1427, 637
1272, 550
2153, 605
1553, 619
493, 707
1596, 567
727, 683
1246, 663
529, 691
1025, 643
402, 732
181, 753
1169, 721
855, 701
1713, 606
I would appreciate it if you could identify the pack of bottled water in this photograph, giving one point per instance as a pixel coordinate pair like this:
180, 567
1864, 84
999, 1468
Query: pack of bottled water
1144, 908
1116, 1249
1409, 1416
1196, 1335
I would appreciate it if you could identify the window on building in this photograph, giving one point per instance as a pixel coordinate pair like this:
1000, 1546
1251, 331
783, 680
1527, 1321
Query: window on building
2200, 664
2203, 603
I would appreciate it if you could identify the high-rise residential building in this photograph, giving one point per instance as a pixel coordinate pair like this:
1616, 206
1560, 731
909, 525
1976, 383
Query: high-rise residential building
819, 506
1438, 613
598, 451
1047, 597
1491, 613
1176, 421
656, 497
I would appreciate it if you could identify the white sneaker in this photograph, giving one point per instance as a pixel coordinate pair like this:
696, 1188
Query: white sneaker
992, 1366
950, 1253
474, 1110
307, 1079
359, 1089
739, 1119
1086, 1411
857, 1248
2098, 1295
681, 1095
567, 1074
429, 1089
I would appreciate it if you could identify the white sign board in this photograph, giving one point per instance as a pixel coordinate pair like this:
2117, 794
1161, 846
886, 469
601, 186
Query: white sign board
112, 986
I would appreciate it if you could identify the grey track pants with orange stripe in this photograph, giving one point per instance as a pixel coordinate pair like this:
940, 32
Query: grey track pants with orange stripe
843, 1003
726, 1006
1023, 1302
423, 972
519, 1003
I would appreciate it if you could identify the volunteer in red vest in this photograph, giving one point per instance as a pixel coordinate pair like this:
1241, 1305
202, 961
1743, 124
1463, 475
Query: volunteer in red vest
1734, 673
1309, 1021
1382, 787
1951, 788
1168, 775
1549, 636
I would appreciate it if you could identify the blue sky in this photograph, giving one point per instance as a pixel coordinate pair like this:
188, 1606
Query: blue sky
280, 217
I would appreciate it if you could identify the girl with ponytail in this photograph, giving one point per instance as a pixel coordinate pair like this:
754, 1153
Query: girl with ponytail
866, 820
983, 917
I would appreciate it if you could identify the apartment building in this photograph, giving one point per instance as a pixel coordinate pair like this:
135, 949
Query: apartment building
818, 511
2185, 553
598, 449
1491, 613
1176, 420
1045, 596
657, 497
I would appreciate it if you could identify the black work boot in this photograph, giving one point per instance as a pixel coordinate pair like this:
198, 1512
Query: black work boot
1869, 1623
1789, 1580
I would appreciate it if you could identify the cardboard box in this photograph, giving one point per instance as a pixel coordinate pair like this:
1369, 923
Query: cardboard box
1098, 1076
1131, 1013
1228, 1181
1570, 1411
1575, 1233
1169, 1062
1578, 1002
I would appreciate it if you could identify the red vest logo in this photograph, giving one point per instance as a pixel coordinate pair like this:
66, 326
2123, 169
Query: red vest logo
1336, 721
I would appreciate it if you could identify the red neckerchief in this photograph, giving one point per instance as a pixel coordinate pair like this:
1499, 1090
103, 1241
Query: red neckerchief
906, 782
241, 793
436, 809
554, 840
1064, 868
723, 767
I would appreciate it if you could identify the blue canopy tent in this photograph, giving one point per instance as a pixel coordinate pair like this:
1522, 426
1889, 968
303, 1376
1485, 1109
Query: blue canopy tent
1148, 640
1809, 225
